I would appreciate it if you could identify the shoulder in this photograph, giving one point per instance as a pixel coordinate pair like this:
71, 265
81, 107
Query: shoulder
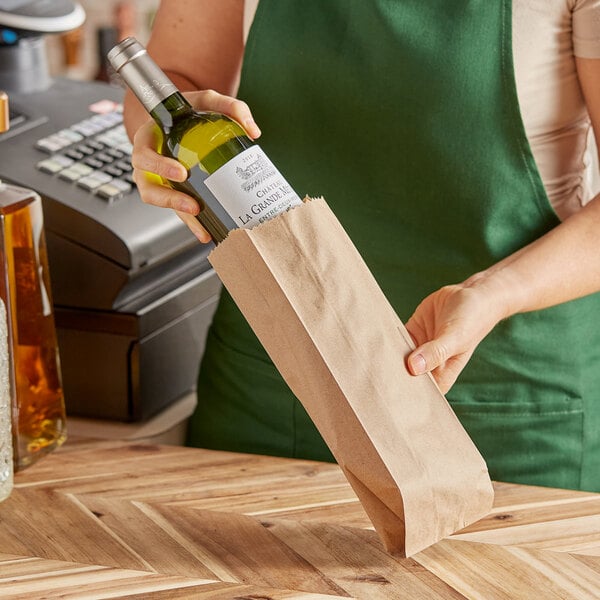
577, 21
584, 5
586, 28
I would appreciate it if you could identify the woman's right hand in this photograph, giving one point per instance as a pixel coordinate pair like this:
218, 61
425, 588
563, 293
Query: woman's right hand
150, 169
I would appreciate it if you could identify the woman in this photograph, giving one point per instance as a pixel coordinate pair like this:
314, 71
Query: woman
425, 137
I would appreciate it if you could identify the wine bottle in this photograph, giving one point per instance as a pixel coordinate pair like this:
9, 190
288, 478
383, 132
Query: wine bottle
230, 176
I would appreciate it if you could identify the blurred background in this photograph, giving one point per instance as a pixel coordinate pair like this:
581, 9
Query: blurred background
132, 290
80, 54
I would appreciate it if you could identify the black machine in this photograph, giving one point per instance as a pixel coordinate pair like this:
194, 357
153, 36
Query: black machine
132, 288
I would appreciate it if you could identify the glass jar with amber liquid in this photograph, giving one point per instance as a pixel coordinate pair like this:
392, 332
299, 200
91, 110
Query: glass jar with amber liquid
38, 411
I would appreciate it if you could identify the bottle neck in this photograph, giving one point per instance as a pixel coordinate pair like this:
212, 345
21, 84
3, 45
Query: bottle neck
145, 78
173, 107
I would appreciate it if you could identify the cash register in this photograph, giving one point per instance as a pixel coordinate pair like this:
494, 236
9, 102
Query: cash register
133, 291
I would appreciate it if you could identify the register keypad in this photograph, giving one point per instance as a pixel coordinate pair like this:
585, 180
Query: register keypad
93, 154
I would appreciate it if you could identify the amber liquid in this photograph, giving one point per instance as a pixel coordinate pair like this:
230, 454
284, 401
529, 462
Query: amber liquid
39, 414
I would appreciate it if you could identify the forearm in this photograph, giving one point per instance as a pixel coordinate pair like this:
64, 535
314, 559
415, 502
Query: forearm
562, 265
199, 44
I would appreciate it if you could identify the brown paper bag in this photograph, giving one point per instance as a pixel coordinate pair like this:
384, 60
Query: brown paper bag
339, 345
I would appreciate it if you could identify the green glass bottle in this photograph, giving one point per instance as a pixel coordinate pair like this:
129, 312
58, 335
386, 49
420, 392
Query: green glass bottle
230, 176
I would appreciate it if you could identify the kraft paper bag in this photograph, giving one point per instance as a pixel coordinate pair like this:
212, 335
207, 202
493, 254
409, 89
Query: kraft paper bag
341, 348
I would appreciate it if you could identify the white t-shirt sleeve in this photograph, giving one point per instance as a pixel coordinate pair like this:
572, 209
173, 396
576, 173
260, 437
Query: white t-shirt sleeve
586, 28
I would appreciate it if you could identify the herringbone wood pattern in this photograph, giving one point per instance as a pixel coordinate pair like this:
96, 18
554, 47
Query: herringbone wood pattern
108, 520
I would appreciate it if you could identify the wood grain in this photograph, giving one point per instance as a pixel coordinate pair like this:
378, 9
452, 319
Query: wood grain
110, 519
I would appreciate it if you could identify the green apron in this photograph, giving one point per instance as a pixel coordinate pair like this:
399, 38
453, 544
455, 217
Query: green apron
404, 116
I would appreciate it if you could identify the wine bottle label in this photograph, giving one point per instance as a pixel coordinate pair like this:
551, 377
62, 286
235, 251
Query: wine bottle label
251, 189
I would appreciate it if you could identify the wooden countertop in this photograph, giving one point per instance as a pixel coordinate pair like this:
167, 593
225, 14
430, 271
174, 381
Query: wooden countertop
114, 520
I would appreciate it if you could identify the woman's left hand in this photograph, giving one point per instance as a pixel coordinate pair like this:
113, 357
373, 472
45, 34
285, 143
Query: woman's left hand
447, 327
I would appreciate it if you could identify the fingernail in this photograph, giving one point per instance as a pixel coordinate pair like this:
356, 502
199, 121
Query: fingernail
418, 364
252, 128
174, 173
202, 236
190, 207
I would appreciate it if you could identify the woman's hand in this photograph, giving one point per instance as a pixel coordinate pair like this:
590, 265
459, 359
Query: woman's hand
449, 324
150, 169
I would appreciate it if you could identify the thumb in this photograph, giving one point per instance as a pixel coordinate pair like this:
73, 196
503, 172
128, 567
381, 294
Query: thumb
429, 356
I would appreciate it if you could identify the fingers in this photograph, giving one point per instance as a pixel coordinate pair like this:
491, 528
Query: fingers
195, 227
153, 191
151, 169
145, 158
447, 326
440, 358
232, 107
428, 357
